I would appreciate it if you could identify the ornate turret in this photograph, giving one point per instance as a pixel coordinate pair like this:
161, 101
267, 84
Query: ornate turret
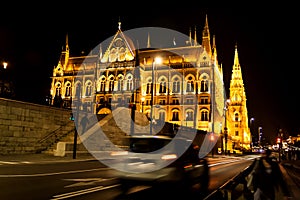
206, 38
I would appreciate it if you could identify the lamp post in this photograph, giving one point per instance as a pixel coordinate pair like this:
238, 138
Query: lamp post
156, 60
143, 100
221, 140
225, 126
252, 131
212, 138
186, 119
4, 81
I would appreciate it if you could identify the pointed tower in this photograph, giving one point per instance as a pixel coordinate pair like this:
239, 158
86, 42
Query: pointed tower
238, 132
206, 38
195, 37
65, 54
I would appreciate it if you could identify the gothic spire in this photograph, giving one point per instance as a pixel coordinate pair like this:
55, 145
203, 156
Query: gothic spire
206, 38
195, 36
236, 63
190, 37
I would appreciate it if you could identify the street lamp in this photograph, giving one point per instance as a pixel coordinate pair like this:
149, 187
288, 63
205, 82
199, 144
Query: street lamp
212, 139
252, 131
156, 60
186, 119
5, 65
143, 99
225, 126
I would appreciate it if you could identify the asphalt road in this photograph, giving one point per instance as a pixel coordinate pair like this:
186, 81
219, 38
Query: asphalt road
85, 179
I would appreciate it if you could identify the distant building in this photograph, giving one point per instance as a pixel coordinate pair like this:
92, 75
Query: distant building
188, 87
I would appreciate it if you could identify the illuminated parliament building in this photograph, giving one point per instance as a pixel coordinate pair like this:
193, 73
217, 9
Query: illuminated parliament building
185, 87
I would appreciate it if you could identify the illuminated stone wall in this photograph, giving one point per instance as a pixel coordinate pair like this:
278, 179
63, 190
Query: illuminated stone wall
23, 125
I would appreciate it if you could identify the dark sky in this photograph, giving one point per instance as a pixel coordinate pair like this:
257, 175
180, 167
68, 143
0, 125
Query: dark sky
31, 41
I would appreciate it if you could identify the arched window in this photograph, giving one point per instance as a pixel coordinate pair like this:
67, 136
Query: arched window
129, 83
236, 117
78, 89
149, 88
111, 84
162, 86
204, 83
189, 115
190, 84
175, 115
204, 86
120, 83
68, 89
58, 89
88, 88
176, 85
102, 84
204, 115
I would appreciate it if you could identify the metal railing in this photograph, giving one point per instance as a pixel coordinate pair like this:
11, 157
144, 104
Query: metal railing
235, 188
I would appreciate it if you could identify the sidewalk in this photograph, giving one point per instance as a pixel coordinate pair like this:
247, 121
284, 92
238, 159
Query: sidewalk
291, 172
43, 157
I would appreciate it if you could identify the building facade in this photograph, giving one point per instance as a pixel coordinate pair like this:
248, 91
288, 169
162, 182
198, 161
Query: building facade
184, 87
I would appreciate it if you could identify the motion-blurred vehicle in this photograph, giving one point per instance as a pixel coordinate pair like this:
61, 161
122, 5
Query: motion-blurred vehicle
164, 162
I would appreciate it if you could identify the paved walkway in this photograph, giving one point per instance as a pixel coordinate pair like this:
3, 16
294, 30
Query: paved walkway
42, 157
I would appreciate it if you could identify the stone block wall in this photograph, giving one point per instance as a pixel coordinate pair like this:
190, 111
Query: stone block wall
23, 125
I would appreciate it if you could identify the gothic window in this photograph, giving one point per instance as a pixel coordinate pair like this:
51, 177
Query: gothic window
148, 90
203, 100
236, 117
162, 86
78, 90
190, 84
68, 89
203, 86
121, 54
176, 85
175, 115
204, 115
189, 115
102, 84
236, 133
175, 101
111, 84
120, 83
129, 83
88, 89
148, 87
58, 89
113, 55
189, 101
162, 102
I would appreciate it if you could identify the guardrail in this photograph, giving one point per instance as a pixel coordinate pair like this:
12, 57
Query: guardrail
235, 188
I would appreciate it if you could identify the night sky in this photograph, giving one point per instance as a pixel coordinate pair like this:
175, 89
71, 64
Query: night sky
31, 41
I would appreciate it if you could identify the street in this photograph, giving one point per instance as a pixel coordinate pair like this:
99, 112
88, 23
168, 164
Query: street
88, 180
